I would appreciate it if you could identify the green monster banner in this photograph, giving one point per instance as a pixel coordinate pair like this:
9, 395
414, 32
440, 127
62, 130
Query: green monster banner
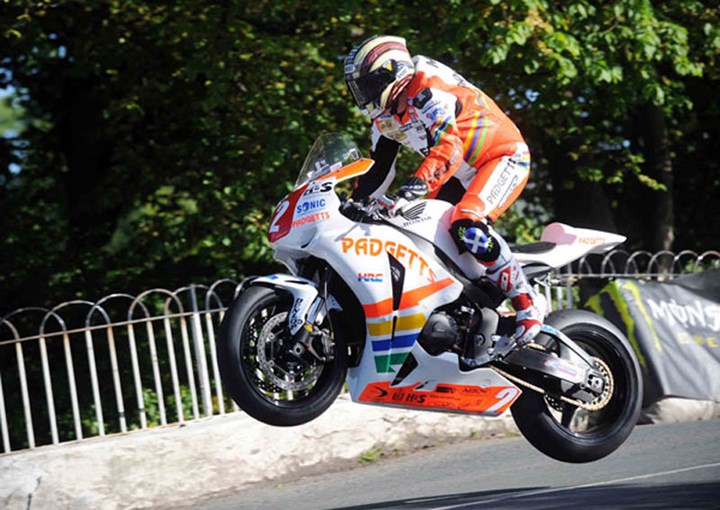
674, 327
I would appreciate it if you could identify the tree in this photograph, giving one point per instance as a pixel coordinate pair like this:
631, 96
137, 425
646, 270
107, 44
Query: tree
168, 131
598, 88
157, 135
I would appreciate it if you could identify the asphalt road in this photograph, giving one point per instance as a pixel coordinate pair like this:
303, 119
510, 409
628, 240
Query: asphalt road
674, 466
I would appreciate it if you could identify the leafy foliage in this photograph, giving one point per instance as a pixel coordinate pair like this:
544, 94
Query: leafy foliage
153, 138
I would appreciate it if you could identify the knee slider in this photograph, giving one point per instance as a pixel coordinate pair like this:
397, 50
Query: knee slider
477, 238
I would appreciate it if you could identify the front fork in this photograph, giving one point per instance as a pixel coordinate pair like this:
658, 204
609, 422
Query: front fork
308, 310
305, 337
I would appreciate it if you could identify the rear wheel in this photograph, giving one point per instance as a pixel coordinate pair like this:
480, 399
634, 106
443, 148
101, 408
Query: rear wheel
268, 374
568, 432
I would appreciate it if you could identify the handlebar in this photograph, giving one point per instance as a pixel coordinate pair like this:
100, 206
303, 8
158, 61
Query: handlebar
371, 209
376, 209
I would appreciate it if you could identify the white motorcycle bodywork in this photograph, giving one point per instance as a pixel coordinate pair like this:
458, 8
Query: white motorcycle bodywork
395, 269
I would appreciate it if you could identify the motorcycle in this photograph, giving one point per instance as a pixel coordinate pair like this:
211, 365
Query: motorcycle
386, 303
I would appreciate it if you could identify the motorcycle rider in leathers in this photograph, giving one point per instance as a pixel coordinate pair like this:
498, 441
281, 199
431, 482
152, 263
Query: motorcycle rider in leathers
474, 156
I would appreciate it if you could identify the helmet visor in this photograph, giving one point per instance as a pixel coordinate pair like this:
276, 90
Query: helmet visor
368, 88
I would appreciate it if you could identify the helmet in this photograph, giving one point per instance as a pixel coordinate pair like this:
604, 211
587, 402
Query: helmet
377, 71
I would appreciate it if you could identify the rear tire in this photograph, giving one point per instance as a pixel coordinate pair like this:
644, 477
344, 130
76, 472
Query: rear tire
260, 372
565, 432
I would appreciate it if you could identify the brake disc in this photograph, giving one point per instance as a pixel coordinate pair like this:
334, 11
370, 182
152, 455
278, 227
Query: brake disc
275, 368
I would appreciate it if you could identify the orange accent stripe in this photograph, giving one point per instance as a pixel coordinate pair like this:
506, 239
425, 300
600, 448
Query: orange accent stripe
408, 300
379, 309
355, 168
413, 297
446, 397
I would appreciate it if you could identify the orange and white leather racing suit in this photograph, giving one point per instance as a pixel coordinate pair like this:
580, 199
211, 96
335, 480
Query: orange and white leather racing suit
474, 157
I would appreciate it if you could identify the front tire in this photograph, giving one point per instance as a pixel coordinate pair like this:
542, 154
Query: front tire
570, 434
260, 371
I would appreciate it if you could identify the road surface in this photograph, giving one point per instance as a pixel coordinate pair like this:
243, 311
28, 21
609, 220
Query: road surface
674, 466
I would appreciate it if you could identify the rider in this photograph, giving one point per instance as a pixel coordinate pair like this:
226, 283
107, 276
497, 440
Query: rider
474, 155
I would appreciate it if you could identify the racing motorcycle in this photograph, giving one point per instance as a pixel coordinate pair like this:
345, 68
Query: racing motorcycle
386, 303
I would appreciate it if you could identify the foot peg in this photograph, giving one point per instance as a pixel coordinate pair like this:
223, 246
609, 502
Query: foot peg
503, 346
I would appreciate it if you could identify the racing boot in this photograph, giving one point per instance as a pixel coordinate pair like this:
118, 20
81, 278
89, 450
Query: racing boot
529, 306
531, 309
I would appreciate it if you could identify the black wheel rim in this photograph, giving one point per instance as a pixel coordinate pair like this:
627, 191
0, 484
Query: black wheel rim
611, 418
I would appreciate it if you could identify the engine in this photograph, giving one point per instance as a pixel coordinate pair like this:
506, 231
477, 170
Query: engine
440, 334
461, 329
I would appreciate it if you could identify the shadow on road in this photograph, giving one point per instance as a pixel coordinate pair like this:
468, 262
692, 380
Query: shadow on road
701, 496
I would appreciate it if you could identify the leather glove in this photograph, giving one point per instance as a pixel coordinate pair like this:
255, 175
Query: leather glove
413, 189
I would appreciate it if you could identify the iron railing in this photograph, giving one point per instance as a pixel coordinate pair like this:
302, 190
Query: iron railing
662, 265
122, 363
85, 369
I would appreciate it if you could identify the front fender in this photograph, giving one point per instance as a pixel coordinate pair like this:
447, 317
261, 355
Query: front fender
305, 294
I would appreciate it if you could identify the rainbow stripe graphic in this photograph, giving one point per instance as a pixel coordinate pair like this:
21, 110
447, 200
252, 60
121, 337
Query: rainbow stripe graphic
392, 339
394, 332
477, 132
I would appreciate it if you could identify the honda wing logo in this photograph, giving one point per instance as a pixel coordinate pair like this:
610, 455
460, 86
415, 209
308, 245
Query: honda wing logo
414, 214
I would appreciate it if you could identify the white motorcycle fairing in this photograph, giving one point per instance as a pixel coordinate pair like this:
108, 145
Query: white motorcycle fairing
566, 244
390, 306
399, 283
393, 270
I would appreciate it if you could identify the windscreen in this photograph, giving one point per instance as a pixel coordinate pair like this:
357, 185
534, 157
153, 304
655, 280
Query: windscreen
330, 152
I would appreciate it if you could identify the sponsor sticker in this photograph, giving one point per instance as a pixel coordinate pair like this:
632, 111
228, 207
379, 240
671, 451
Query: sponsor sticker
370, 277
312, 218
309, 206
374, 247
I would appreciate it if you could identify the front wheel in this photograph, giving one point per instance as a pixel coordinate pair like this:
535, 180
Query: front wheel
566, 432
268, 374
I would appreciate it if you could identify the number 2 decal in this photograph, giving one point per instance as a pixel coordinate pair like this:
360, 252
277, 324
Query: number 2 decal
281, 221
505, 397
279, 211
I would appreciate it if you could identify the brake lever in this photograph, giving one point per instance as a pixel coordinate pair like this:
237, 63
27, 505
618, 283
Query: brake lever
369, 210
